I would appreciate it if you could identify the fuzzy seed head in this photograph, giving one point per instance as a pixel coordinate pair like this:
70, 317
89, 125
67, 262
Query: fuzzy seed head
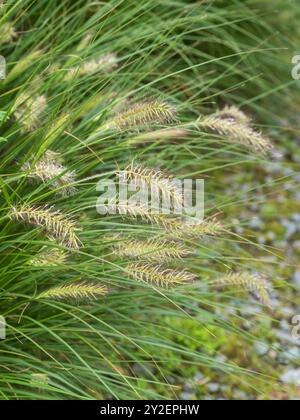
39, 379
256, 284
54, 223
179, 229
105, 63
126, 209
234, 114
237, 132
23, 64
28, 111
81, 291
159, 276
57, 128
152, 250
7, 33
143, 114
49, 257
157, 180
159, 135
49, 168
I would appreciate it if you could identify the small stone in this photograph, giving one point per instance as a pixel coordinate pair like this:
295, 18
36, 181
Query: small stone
296, 278
270, 236
199, 377
273, 354
239, 230
291, 377
287, 311
292, 355
241, 395
221, 358
213, 387
287, 337
296, 245
291, 228
296, 217
261, 348
256, 223
186, 396
188, 388
277, 155
284, 325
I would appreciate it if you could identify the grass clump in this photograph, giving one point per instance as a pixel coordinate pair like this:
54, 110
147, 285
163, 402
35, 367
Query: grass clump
93, 87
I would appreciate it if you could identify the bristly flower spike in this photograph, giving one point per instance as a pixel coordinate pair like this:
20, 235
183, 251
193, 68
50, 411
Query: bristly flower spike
234, 114
143, 114
105, 63
237, 132
256, 284
152, 250
28, 111
7, 33
49, 168
52, 221
178, 229
154, 179
49, 257
80, 291
159, 276
137, 211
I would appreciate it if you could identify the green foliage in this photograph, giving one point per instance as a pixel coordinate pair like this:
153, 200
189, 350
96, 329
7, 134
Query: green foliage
61, 97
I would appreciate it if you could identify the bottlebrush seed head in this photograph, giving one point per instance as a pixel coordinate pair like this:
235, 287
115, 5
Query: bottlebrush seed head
105, 63
236, 132
137, 211
48, 257
233, 114
52, 221
155, 179
143, 114
49, 168
151, 250
159, 276
159, 135
179, 229
81, 291
7, 33
256, 284
28, 111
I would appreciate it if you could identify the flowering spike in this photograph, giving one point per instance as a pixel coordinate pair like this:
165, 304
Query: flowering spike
141, 114
53, 222
256, 284
159, 276
74, 291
